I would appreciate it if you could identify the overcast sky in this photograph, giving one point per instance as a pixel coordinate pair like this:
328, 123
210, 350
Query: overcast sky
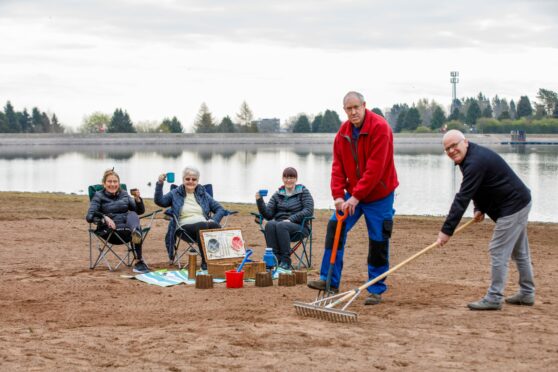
163, 58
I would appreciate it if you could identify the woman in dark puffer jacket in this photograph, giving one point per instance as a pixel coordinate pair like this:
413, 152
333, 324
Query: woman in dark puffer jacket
285, 212
114, 209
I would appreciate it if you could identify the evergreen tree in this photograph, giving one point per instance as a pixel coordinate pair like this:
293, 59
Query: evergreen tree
37, 120
47, 128
438, 118
3, 123
120, 123
376, 110
11, 119
412, 119
455, 115
513, 110
25, 122
473, 113
487, 110
171, 125
226, 125
204, 121
330, 122
393, 114
56, 126
317, 123
302, 125
524, 108
400, 124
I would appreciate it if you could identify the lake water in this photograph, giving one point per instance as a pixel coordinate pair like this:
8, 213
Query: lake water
428, 179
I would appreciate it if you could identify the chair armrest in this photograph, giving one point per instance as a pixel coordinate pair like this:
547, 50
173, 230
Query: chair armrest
150, 214
229, 213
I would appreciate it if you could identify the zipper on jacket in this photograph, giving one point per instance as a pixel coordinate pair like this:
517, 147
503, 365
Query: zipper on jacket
354, 152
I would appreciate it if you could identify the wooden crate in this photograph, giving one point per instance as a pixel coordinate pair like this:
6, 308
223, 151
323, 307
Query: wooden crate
217, 269
252, 268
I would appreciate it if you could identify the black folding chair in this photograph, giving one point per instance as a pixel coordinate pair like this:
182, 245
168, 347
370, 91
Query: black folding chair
301, 242
118, 243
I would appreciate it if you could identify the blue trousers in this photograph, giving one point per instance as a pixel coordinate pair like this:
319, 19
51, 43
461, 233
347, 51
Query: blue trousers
379, 221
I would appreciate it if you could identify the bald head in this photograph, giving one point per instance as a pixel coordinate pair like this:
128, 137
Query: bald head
453, 135
455, 145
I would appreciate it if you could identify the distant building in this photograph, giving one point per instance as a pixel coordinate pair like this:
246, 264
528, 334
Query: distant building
268, 125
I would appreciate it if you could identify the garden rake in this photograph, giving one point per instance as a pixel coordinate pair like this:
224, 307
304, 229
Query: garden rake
324, 308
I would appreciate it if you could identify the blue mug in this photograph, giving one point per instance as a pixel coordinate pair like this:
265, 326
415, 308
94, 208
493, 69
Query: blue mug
262, 192
170, 177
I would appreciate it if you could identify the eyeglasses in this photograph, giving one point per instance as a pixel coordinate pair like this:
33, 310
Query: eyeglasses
453, 146
289, 177
190, 179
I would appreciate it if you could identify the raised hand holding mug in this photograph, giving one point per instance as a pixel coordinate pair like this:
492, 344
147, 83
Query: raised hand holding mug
170, 177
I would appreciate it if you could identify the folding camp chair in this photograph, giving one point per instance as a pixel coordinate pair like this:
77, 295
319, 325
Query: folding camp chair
115, 244
182, 236
301, 242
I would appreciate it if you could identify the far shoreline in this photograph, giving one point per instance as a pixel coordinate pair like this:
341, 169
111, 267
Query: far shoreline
162, 139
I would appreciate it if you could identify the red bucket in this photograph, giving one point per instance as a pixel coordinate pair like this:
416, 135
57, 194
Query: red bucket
234, 279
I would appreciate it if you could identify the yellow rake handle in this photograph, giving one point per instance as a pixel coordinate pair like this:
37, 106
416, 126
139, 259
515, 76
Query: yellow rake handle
393, 269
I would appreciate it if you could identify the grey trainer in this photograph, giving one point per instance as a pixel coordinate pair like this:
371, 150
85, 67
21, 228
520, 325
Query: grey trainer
373, 299
484, 304
521, 299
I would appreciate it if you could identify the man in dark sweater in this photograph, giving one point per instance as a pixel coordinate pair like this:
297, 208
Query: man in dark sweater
498, 192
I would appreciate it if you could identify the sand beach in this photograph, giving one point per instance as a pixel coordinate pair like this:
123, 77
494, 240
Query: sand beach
56, 313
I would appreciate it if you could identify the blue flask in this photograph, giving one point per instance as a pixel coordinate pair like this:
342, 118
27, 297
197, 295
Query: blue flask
270, 260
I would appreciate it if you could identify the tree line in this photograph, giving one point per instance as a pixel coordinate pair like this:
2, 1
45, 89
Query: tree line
478, 113
12, 121
466, 113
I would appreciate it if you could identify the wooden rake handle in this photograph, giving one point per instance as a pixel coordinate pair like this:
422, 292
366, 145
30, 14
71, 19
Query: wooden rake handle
395, 268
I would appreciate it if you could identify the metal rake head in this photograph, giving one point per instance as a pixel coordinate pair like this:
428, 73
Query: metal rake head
324, 313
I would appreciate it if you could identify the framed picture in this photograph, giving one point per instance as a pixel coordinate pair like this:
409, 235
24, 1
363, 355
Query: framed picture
219, 244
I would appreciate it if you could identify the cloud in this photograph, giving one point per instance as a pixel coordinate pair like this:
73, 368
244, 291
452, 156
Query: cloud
327, 24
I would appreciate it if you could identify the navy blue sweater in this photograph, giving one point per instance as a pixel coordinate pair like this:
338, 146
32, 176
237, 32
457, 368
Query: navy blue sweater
492, 185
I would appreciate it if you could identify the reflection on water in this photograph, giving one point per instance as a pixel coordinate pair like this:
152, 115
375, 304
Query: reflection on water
428, 180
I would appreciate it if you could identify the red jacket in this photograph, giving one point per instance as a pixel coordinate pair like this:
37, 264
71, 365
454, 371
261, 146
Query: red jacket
369, 174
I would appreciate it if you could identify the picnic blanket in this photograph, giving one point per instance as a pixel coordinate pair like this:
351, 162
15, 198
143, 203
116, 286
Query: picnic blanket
166, 278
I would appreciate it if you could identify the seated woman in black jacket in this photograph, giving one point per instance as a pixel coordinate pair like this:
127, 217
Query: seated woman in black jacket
114, 209
284, 212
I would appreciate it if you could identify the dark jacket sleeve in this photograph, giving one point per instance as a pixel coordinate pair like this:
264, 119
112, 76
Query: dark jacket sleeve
94, 214
267, 211
338, 176
140, 207
160, 199
307, 207
472, 179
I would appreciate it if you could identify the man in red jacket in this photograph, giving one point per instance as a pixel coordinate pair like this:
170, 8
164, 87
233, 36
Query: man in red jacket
363, 180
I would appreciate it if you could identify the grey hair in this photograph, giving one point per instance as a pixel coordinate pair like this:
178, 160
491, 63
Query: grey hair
353, 94
190, 169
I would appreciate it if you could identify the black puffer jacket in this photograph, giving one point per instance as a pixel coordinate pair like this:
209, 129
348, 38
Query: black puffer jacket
294, 207
115, 206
